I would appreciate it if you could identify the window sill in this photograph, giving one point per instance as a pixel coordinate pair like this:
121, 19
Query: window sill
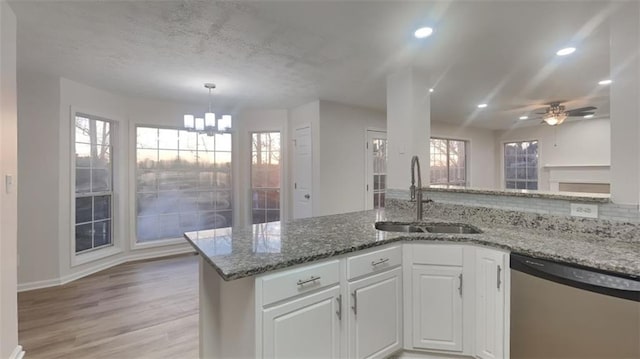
83, 258
158, 243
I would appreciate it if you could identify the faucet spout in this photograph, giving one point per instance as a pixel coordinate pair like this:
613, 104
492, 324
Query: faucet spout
416, 194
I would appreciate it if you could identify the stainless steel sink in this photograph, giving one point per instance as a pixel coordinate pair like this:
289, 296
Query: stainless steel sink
398, 227
459, 228
427, 227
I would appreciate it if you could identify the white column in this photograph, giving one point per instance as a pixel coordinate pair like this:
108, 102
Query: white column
408, 126
625, 104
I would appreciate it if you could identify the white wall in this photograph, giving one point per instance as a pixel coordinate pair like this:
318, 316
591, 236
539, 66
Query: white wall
581, 142
8, 199
342, 155
481, 160
408, 126
39, 172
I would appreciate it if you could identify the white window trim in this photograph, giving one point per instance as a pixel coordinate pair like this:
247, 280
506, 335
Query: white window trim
117, 203
467, 156
503, 178
249, 213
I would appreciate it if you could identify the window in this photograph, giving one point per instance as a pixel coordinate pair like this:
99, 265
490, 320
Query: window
93, 163
265, 177
183, 182
448, 162
521, 165
379, 171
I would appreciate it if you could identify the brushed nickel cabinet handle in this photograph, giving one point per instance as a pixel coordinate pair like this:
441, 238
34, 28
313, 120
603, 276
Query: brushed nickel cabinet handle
382, 260
355, 302
460, 287
312, 279
498, 276
339, 311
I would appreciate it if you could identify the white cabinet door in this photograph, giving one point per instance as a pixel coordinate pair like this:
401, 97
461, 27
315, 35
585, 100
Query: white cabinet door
375, 315
307, 327
437, 307
490, 303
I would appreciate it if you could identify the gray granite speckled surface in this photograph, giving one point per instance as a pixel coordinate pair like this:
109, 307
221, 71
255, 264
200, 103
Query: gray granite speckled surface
241, 252
567, 196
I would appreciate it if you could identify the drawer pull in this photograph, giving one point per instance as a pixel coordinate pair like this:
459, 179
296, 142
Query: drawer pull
382, 260
310, 280
498, 277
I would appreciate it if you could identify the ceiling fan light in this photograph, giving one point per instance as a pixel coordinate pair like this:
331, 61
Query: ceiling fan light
551, 121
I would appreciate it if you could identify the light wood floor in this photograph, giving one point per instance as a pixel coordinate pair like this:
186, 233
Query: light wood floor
146, 309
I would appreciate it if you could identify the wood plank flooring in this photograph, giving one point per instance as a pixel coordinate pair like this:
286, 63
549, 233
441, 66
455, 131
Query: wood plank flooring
146, 309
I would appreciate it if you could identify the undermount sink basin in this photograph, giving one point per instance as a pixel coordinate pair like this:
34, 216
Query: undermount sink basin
418, 227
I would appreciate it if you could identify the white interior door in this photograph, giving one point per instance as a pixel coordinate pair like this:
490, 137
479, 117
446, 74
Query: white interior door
302, 173
376, 168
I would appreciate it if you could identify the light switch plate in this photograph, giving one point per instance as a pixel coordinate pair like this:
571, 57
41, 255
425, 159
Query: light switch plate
584, 210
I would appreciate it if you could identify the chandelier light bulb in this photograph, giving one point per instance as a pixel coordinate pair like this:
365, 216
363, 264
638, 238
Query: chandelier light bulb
189, 122
199, 124
209, 120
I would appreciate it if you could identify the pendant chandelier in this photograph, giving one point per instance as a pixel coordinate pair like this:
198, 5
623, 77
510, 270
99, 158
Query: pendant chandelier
208, 124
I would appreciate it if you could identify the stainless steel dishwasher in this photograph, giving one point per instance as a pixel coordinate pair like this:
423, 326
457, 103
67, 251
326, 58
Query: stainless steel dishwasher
568, 311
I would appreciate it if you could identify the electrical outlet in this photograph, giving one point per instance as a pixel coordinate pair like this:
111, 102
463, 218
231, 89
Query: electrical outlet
584, 210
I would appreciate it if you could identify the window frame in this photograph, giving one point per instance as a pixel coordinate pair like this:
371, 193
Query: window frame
134, 243
467, 144
281, 165
117, 220
503, 163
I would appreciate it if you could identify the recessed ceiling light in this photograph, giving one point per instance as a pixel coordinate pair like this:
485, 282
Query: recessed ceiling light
431, 90
482, 105
588, 116
605, 82
566, 51
423, 32
524, 117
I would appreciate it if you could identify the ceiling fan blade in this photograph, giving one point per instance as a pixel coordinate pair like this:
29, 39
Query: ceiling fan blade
582, 109
579, 114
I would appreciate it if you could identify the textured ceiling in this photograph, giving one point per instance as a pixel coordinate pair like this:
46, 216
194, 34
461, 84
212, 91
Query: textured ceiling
283, 54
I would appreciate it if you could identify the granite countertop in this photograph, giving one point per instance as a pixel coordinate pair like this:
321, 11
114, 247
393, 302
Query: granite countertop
567, 196
242, 252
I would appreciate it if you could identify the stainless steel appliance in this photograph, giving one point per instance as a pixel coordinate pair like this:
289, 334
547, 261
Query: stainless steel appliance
560, 310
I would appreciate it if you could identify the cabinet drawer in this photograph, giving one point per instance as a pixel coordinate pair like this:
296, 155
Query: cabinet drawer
434, 254
290, 283
373, 262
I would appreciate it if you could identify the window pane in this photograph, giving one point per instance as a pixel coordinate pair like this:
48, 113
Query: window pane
83, 209
168, 139
102, 207
147, 137
100, 180
83, 155
84, 234
82, 130
83, 180
448, 161
102, 235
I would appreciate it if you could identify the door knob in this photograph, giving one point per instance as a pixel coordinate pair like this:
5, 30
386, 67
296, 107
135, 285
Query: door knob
307, 196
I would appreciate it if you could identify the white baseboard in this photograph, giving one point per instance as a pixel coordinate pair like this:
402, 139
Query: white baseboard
129, 257
18, 353
405, 354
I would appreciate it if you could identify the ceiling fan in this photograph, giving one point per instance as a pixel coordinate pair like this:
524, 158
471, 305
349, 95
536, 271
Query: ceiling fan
555, 114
